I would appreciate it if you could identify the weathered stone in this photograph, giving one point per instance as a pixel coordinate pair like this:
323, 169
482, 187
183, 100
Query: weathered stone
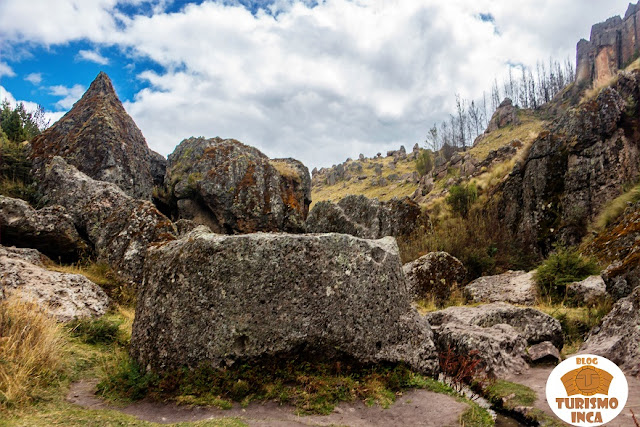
435, 275
618, 336
366, 218
50, 230
158, 168
235, 188
516, 287
544, 353
534, 325
219, 299
118, 226
64, 296
99, 138
589, 291
505, 115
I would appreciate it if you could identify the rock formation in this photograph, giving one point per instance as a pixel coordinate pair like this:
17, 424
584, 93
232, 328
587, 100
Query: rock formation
118, 226
435, 275
50, 230
99, 138
233, 188
618, 336
64, 296
587, 292
515, 287
366, 218
219, 299
613, 44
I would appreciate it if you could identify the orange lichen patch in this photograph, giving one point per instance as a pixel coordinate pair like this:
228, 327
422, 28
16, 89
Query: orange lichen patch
249, 179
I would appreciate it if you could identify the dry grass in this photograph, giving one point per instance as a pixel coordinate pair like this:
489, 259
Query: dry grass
529, 128
31, 352
342, 189
594, 91
285, 169
429, 305
616, 207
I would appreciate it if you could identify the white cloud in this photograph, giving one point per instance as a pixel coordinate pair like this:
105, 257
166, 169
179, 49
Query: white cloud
51, 116
69, 95
93, 56
320, 84
34, 78
5, 70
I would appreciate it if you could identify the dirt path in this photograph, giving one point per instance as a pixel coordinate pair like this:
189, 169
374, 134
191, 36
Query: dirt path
536, 379
414, 408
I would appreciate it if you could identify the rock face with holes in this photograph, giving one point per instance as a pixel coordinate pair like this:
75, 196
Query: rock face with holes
435, 275
233, 188
217, 299
366, 218
118, 226
64, 296
98, 137
50, 230
618, 337
515, 287
496, 334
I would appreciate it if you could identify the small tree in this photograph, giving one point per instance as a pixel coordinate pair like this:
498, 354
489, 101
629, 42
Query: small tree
424, 162
461, 198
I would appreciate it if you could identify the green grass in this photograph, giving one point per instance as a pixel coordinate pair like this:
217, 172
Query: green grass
476, 416
510, 395
560, 269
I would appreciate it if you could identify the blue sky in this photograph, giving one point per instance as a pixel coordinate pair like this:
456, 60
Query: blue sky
316, 80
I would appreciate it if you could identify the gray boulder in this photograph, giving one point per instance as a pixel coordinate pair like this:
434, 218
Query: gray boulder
219, 299
515, 287
50, 230
64, 296
618, 337
435, 275
544, 353
366, 218
588, 291
118, 226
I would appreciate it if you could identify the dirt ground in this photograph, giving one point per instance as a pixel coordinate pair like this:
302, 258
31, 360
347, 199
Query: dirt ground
414, 408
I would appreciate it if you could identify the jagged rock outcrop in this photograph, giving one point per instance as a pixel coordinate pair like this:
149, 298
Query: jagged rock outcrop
515, 287
497, 334
233, 188
158, 168
366, 218
612, 45
435, 275
64, 296
118, 226
572, 170
99, 138
220, 299
50, 230
618, 336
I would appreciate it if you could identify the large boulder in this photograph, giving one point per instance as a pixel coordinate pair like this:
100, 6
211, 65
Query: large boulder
435, 275
498, 334
118, 226
366, 218
234, 188
515, 287
588, 291
50, 230
99, 138
64, 296
219, 299
618, 337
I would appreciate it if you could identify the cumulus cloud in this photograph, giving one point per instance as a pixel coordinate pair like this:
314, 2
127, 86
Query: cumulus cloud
92, 56
34, 78
317, 82
51, 116
5, 70
69, 95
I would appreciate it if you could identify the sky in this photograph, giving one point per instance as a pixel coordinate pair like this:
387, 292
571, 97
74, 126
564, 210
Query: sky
316, 80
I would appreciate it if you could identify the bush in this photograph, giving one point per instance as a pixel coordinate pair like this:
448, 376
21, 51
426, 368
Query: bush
94, 331
561, 268
31, 352
461, 198
424, 163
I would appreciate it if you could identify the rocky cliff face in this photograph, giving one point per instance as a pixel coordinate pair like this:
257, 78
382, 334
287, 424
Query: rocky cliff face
584, 160
99, 138
612, 45
233, 188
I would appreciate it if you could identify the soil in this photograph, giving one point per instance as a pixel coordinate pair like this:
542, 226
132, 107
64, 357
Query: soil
414, 408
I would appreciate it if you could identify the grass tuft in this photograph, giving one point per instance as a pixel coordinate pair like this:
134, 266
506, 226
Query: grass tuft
560, 269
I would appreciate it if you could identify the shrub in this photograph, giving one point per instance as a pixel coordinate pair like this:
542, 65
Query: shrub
561, 268
94, 331
461, 198
31, 352
424, 162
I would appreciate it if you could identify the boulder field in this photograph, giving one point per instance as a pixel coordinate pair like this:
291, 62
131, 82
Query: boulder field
219, 299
